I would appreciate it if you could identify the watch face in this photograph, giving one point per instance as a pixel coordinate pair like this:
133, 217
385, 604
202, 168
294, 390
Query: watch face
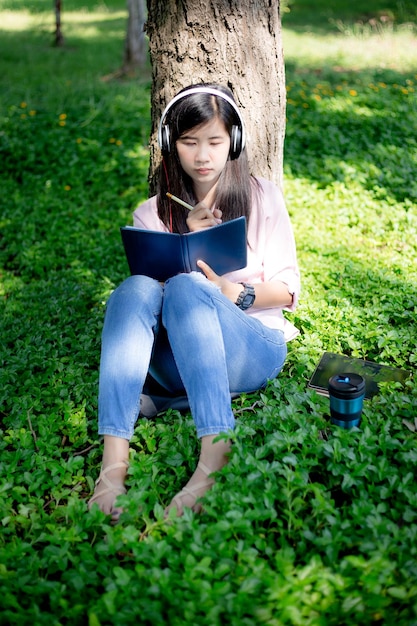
248, 300
246, 297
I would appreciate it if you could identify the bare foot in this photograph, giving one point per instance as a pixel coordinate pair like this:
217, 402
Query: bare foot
199, 483
213, 457
109, 485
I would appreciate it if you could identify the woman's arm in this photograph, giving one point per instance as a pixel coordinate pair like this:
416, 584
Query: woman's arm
272, 294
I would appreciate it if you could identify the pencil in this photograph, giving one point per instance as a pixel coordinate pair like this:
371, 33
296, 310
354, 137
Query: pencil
187, 206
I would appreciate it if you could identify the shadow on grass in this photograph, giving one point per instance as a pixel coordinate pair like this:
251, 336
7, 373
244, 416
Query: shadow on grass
322, 17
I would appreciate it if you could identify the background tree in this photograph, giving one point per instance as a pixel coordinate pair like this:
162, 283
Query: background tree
135, 54
59, 38
226, 41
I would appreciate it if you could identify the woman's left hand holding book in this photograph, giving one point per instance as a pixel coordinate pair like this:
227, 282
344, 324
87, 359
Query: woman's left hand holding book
228, 289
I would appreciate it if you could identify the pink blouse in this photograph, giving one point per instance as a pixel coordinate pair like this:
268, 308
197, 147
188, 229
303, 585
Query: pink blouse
271, 250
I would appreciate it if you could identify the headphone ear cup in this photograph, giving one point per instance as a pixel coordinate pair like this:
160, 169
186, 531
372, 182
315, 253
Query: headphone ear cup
235, 142
165, 139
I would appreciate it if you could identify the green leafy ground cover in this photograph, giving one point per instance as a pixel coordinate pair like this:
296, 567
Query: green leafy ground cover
308, 524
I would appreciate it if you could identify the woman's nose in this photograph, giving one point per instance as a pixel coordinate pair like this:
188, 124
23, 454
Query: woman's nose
201, 154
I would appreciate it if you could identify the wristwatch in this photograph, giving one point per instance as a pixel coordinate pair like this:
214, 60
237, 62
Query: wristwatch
246, 298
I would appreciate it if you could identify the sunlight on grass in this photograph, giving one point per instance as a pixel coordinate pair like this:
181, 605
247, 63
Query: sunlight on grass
393, 50
20, 21
15, 21
8, 282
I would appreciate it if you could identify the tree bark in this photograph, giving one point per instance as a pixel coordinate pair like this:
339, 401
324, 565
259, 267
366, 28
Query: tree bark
135, 54
233, 42
59, 38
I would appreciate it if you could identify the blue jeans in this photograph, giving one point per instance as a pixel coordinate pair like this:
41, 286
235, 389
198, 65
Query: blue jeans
190, 338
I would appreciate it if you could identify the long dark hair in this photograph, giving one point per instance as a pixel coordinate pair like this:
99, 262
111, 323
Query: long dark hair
233, 193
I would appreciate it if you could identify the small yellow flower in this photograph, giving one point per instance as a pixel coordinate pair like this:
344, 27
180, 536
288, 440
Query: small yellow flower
119, 142
112, 140
62, 123
63, 116
67, 187
23, 105
353, 92
32, 112
79, 140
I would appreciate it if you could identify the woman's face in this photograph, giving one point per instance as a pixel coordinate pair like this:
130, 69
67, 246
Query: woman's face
203, 152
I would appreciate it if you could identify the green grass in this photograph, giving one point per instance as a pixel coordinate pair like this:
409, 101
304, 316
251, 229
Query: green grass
322, 15
308, 524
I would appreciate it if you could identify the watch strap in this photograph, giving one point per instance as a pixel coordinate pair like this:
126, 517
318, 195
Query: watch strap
246, 298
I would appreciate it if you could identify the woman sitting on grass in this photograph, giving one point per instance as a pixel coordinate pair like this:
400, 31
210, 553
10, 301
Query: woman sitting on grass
201, 334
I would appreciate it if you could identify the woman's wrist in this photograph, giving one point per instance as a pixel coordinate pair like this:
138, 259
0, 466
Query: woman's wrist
231, 290
246, 297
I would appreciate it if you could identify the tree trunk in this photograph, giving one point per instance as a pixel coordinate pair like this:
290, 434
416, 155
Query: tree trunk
135, 43
233, 42
59, 38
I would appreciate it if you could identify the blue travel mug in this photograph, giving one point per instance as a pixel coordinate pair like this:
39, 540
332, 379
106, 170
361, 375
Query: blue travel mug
346, 393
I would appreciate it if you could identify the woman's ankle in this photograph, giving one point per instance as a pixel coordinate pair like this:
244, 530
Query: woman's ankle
214, 455
110, 482
115, 450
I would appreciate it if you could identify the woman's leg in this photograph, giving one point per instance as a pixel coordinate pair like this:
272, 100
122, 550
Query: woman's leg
131, 321
218, 349
130, 325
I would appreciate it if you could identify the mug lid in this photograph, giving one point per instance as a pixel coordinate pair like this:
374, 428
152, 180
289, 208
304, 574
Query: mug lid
348, 381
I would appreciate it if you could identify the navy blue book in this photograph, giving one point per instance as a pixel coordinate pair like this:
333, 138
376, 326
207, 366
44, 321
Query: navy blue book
161, 255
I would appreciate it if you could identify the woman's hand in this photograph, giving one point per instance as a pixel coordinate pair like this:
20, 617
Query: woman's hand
228, 289
202, 217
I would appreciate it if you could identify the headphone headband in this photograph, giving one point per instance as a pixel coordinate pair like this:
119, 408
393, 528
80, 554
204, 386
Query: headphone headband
207, 90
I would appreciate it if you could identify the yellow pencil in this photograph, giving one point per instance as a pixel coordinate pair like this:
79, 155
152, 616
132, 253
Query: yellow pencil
187, 206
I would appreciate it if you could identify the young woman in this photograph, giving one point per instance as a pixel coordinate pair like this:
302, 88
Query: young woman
199, 334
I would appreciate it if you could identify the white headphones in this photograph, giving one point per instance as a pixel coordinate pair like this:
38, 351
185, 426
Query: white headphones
238, 134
